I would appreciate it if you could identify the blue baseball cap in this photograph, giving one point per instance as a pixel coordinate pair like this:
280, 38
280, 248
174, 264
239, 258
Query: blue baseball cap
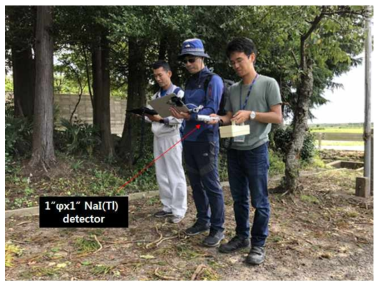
193, 47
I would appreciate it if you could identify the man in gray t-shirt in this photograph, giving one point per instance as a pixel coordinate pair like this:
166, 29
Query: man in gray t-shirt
254, 101
263, 95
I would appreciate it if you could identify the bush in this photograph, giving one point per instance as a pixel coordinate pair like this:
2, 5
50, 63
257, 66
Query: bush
282, 140
277, 166
18, 134
308, 149
77, 138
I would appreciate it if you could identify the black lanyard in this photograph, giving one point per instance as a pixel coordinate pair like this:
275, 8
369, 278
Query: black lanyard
248, 94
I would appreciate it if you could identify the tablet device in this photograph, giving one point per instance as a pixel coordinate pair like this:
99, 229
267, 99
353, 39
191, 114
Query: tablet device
162, 105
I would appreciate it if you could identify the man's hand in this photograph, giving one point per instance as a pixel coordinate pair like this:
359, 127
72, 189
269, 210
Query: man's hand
213, 122
155, 118
241, 117
179, 115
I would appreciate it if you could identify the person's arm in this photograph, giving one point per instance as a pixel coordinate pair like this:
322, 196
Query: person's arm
154, 118
223, 120
274, 116
214, 94
226, 119
173, 120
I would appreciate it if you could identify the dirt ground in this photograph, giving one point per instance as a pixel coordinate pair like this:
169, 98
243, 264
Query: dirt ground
322, 233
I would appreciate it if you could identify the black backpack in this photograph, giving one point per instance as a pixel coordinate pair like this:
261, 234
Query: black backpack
224, 143
226, 86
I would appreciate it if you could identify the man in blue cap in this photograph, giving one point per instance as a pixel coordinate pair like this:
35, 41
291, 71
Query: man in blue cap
203, 92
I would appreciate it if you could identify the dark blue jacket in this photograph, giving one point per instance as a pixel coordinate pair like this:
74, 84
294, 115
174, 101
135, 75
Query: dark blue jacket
195, 95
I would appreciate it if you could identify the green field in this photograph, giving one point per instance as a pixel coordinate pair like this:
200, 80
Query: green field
337, 130
340, 143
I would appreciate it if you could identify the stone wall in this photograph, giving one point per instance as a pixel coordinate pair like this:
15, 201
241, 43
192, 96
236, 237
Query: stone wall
84, 111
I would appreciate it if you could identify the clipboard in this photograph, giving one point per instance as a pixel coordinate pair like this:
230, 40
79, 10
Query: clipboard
162, 105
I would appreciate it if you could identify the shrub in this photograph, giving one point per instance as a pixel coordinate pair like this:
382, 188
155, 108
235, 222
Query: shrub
77, 137
277, 166
308, 149
18, 133
282, 140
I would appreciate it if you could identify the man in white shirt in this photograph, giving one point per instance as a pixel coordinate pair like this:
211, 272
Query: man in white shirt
169, 170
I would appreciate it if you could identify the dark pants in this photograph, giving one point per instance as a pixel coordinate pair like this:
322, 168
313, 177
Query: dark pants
248, 170
201, 159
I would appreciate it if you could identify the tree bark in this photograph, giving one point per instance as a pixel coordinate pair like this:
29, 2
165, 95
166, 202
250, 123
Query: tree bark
301, 111
107, 147
43, 148
300, 127
97, 82
173, 60
136, 97
23, 66
101, 91
162, 48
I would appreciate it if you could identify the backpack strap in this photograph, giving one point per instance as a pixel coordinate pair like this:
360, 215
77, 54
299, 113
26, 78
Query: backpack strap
206, 85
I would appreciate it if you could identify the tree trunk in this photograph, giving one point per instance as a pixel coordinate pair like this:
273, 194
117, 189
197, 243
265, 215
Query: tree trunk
162, 48
107, 147
173, 61
304, 91
97, 83
136, 97
43, 148
23, 66
23, 81
101, 90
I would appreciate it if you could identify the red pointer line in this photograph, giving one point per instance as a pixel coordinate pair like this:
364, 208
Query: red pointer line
153, 161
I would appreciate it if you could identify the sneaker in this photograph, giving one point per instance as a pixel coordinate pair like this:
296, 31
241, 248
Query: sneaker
214, 238
161, 214
197, 228
236, 243
175, 219
256, 256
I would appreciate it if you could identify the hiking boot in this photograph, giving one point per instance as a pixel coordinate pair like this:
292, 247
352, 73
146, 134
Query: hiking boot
197, 228
214, 238
236, 243
162, 214
175, 219
256, 256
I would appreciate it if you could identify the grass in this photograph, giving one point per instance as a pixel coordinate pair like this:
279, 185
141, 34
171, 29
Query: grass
84, 245
100, 269
340, 143
310, 199
337, 130
10, 252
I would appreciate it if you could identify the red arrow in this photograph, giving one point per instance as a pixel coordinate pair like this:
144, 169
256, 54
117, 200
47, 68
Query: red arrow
153, 161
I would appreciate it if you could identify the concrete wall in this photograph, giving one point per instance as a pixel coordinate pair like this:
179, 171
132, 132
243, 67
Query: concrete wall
84, 111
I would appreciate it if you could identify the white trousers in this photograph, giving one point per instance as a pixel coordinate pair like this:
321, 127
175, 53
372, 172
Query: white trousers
170, 174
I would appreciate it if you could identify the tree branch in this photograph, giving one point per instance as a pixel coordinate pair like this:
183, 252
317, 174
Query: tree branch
295, 58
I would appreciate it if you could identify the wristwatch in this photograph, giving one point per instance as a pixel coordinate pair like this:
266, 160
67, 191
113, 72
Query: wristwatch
252, 115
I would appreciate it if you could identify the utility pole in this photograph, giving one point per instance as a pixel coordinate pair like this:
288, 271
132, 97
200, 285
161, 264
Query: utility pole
363, 184
367, 105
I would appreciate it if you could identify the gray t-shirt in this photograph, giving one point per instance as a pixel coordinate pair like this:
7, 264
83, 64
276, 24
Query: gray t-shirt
264, 94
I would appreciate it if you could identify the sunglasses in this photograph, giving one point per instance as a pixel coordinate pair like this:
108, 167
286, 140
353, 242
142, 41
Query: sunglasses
191, 60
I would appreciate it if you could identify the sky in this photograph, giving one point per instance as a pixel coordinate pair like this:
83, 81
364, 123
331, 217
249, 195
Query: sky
345, 105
